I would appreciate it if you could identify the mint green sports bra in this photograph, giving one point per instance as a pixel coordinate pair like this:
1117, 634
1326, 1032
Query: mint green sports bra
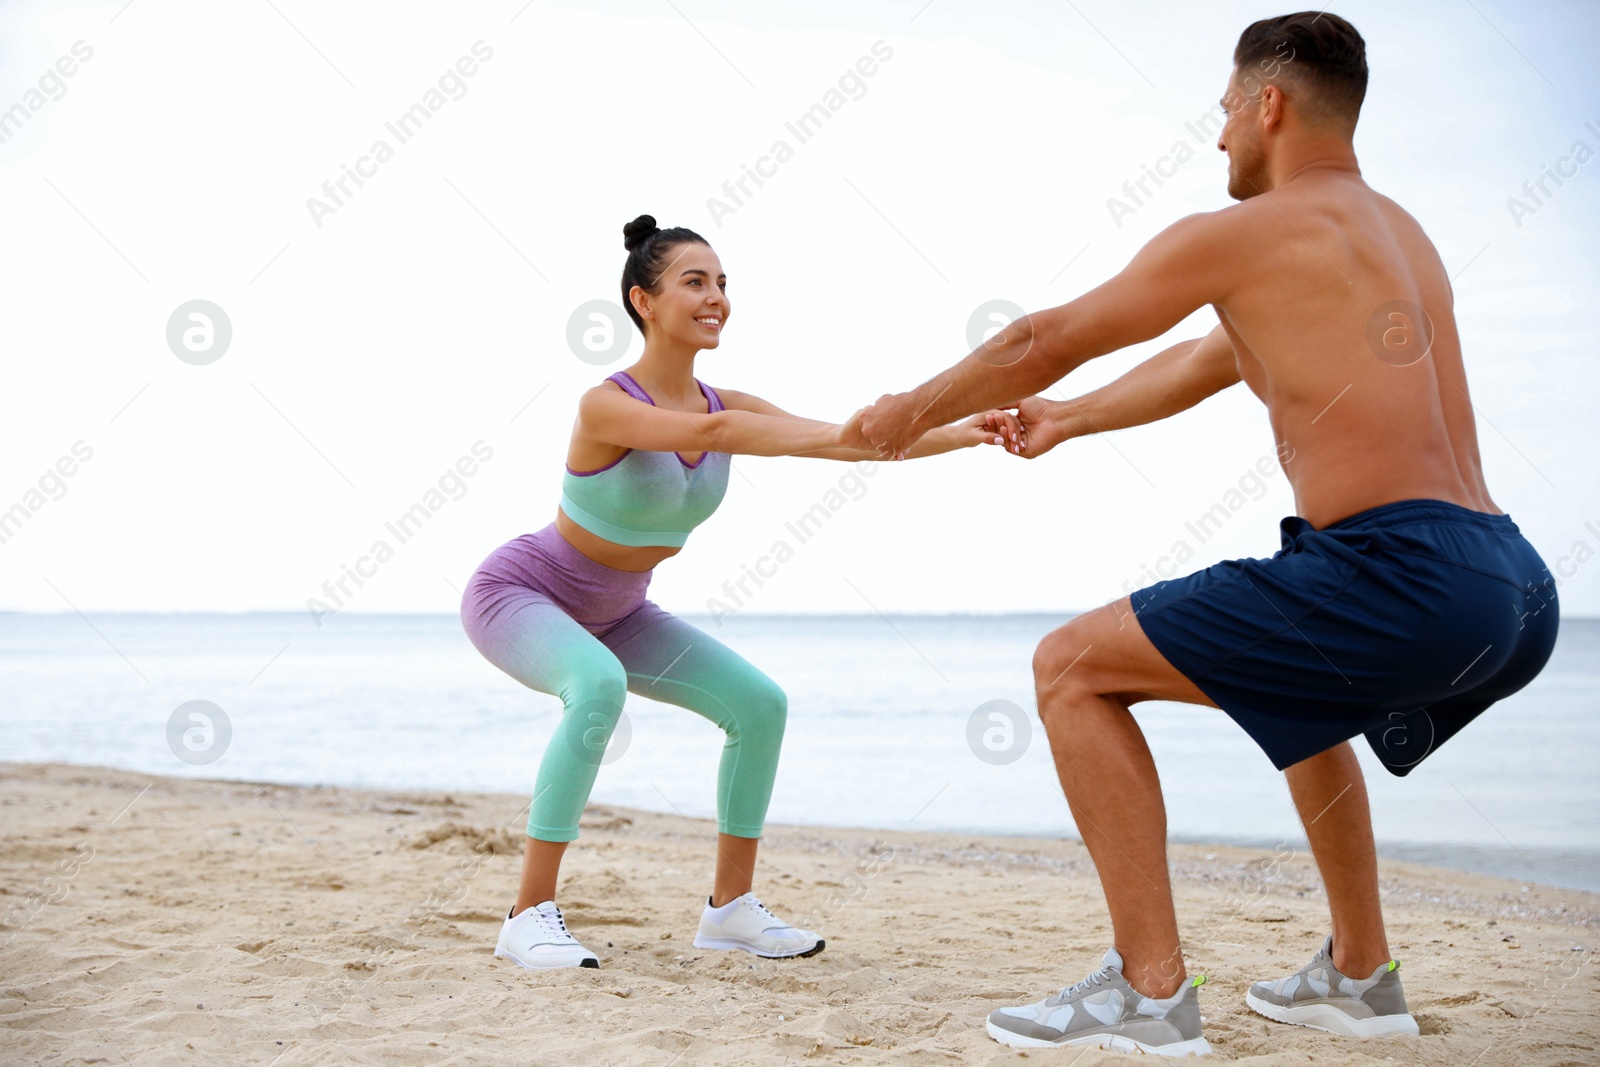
647, 498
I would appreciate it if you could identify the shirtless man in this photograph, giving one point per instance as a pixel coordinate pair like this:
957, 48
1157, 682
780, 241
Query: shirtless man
1403, 602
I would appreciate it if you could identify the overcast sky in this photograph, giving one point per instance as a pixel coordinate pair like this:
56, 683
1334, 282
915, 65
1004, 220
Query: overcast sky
378, 337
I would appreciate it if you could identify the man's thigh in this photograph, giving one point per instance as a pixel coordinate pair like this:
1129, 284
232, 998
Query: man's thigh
1106, 651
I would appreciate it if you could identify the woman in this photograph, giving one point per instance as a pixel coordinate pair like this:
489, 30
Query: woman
563, 611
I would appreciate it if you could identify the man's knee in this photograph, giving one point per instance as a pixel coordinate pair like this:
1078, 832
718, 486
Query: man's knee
1063, 662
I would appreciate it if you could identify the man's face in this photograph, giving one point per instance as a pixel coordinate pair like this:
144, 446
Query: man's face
1241, 139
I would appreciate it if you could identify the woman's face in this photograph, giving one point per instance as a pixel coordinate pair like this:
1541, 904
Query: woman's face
690, 305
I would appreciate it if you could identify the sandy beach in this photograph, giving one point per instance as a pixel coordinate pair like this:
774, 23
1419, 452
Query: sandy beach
157, 920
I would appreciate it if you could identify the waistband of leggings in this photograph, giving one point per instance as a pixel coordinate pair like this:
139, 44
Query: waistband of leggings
567, 556
1402, 512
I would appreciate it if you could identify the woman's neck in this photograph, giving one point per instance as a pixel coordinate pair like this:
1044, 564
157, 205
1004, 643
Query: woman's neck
667, 373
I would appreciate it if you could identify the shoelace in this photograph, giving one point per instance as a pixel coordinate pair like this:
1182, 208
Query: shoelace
555, 924
1097, 978
762, 908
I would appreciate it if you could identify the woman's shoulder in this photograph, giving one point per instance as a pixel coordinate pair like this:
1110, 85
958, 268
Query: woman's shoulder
608, 391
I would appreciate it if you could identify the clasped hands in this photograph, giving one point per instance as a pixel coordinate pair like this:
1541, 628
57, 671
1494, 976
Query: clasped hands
890, 427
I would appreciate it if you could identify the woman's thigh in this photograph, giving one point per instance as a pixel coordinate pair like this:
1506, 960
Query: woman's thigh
543, 647
675, 662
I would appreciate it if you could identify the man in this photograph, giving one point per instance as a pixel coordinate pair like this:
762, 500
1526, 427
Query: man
1403, 602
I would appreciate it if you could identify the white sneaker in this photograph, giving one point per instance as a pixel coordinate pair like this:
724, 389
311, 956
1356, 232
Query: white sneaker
744, 923
538, 939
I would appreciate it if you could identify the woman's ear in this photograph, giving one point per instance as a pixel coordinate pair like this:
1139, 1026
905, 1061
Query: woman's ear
641, 302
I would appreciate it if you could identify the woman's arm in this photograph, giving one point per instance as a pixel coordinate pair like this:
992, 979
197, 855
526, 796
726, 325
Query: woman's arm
611, 417
975, 430
972, 431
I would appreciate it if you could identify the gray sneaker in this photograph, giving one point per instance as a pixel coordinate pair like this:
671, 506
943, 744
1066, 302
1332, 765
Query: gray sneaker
1319, 996
1104, 1010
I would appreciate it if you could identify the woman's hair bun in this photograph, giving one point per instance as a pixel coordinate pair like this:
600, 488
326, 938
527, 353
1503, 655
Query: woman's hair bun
638, 231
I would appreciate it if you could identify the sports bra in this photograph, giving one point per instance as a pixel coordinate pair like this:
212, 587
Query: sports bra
647, 498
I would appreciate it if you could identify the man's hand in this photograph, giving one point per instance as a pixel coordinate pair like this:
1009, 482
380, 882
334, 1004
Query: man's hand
1037, 427
850, 435
888, 425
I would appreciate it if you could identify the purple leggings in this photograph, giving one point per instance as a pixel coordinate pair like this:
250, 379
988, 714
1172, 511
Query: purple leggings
560, 623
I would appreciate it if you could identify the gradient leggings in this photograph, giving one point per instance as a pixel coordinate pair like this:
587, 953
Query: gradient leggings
530, 609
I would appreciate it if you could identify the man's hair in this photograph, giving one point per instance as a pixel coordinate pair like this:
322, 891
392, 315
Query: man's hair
1320, 51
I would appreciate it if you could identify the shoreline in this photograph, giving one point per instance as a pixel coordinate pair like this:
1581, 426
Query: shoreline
1576, 868
358, 925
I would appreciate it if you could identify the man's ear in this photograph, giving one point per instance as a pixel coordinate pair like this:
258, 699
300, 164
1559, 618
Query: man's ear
1272, 104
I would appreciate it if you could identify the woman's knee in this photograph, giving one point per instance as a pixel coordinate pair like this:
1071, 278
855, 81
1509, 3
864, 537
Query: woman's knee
600, 682
593, 705
761, 713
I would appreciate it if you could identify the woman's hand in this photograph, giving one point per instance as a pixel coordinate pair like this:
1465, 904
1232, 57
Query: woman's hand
1006, 428
986, 428
1037, 426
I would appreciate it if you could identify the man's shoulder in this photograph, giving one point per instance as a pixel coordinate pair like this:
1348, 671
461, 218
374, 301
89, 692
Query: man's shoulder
1263, 219
1213, 233
1336, 195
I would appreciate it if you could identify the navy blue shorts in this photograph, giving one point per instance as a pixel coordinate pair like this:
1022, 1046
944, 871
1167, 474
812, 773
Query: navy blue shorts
1402, 623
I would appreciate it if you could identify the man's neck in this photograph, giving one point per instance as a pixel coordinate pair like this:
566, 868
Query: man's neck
1310, 157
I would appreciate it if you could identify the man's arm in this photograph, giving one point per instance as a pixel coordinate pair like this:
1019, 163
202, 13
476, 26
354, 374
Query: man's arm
1172, 276
1173, 380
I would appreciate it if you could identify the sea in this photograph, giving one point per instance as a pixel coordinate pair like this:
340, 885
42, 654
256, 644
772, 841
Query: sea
914, 722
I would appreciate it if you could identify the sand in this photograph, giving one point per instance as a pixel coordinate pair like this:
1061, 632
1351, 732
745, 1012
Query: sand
152, 920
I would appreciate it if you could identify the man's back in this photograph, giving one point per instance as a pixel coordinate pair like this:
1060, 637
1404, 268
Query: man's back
1340, 313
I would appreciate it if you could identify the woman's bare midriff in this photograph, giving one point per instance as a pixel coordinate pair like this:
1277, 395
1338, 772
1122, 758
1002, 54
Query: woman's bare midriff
609, 553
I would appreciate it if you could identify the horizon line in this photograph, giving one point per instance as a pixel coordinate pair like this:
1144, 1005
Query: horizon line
1064, 612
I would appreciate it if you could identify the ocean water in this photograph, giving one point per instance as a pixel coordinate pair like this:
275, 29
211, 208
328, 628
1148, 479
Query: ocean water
909, 722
